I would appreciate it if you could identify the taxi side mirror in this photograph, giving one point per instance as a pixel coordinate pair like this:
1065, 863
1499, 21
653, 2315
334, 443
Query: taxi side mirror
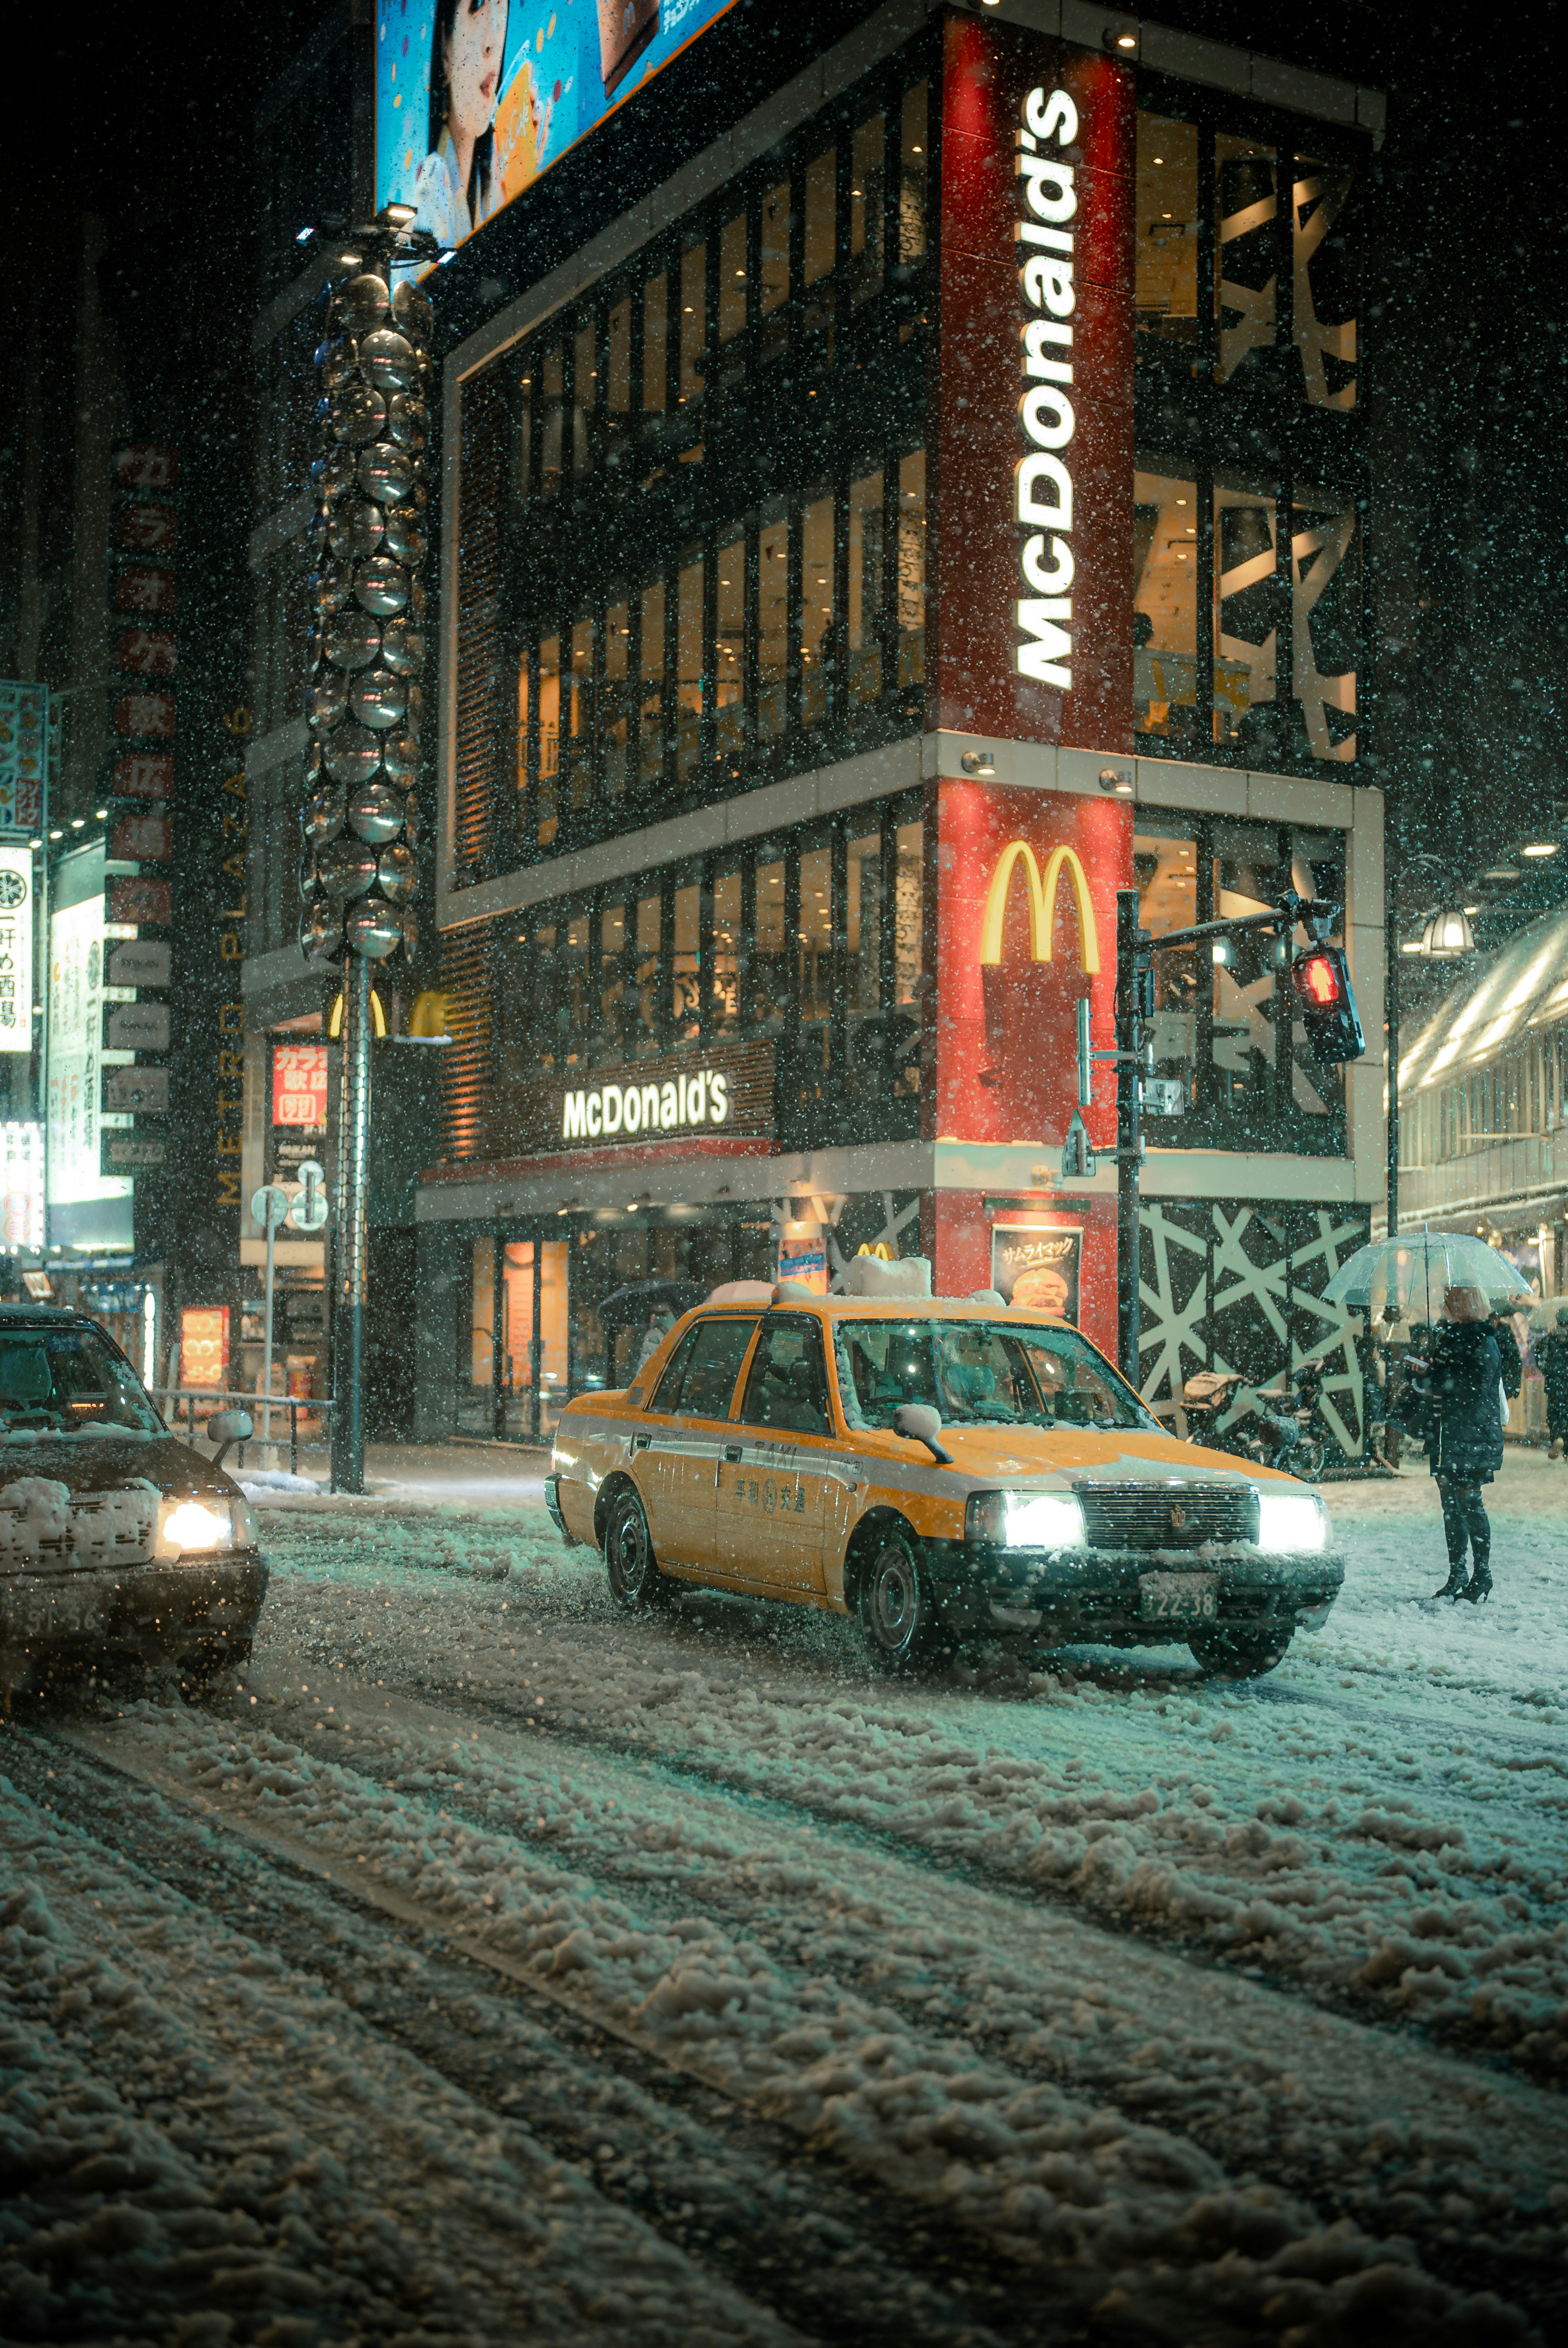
918, 1423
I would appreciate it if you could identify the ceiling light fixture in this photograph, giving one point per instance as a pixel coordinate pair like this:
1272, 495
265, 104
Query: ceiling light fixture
1542, 848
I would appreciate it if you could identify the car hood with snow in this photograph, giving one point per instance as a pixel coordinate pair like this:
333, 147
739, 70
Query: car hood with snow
115, 1539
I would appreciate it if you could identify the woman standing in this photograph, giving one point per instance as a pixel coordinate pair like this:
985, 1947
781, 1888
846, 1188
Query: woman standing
1465, 1434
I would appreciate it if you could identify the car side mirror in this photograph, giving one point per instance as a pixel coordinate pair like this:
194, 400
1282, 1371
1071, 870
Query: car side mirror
918, 1423
227, 1427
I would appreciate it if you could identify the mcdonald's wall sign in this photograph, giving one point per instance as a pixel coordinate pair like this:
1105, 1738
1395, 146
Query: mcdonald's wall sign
1026, 885
1034, 566
1026, 920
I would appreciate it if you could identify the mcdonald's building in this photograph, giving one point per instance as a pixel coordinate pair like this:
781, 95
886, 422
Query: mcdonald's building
915, 492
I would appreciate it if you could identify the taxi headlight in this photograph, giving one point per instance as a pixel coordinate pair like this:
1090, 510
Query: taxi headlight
186, 1526
1291, 1520
1024, 1519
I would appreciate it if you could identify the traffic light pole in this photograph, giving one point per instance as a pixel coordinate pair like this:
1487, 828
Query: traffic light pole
1128, 1137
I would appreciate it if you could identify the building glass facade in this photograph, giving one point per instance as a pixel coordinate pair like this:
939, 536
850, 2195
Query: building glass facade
748, 779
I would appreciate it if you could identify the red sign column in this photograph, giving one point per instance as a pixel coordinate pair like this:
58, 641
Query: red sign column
1034, 474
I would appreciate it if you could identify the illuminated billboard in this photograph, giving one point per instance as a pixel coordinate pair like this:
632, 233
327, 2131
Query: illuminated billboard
475, 100
75, 1081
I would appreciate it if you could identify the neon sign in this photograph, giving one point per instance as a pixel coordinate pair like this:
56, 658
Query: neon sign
702, 1099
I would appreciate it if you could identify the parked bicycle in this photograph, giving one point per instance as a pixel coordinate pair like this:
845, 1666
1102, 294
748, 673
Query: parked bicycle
1284, 1429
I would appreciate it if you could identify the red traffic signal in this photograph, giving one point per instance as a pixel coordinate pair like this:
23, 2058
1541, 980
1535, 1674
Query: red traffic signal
1321, 977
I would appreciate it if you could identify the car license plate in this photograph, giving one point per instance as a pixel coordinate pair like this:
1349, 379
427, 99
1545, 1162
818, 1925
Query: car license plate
1178, 1597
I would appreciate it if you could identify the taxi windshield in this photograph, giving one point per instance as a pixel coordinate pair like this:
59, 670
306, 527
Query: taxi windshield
976, 1374
67, 1381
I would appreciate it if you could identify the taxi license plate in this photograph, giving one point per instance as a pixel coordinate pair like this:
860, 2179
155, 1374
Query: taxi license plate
1178, 1597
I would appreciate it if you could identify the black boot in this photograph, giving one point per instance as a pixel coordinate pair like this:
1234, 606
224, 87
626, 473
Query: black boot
1479, 1586
1456, 1586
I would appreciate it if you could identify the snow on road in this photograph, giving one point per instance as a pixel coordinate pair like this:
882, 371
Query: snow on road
492, 1962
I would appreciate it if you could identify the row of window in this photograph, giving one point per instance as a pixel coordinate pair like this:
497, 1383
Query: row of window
803, 622
1517, 1097
782, 261
1248, 246
815, 942
1225, 1014
1247, 618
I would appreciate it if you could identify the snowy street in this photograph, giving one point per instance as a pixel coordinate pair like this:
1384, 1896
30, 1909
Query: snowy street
490, 1963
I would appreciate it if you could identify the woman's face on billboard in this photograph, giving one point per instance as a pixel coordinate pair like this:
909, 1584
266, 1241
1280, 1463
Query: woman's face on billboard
474, 52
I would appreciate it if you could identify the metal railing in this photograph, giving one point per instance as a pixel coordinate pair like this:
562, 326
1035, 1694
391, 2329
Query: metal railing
213, 1398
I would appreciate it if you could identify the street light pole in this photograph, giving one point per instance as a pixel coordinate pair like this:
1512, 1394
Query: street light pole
350, 1267
364, 702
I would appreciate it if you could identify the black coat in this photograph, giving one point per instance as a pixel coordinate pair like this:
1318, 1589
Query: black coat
1554, 1369
1464, 1436
1508, 1356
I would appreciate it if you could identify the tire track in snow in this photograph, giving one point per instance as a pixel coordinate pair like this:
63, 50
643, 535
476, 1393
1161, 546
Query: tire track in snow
717, 2183
1367, 2123
191, 2129
1038, 2171
1488, 1980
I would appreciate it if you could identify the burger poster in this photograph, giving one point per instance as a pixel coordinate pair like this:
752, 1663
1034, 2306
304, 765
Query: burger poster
1036, 1265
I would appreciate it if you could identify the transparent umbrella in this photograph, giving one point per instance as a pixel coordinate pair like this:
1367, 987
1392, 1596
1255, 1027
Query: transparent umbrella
1411, 1269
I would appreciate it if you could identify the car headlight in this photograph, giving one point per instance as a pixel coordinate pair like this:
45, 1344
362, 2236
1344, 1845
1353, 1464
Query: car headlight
1291, 1520
1024, 1519
186, 1526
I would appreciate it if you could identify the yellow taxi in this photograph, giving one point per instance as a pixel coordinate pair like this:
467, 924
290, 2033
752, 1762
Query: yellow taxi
940, 1470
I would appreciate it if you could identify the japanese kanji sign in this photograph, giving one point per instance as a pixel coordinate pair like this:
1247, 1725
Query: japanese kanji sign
15, 950
300, 1083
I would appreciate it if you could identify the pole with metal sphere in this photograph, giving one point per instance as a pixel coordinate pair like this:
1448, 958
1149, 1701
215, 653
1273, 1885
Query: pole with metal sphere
363, 706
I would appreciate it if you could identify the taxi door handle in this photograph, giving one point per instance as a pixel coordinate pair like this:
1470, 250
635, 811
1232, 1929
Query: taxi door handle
734, 1451
640, 1442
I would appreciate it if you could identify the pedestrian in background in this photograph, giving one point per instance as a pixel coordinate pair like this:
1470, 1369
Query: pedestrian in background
1510, 1361
660, 1321
1463, 1377
1554, 1353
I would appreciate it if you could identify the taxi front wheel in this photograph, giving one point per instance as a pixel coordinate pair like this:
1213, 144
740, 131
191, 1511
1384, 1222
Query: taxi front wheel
1227, 1654
635, 1580
898, 1617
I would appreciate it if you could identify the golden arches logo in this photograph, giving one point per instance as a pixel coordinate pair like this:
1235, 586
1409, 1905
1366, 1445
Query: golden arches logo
1041, 904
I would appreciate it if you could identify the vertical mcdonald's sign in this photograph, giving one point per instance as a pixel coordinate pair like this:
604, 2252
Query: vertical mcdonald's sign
1035, 426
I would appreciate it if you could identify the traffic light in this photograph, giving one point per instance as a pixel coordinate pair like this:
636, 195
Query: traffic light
1321, 978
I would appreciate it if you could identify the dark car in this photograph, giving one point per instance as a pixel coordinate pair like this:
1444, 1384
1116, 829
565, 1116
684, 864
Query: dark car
116, 1540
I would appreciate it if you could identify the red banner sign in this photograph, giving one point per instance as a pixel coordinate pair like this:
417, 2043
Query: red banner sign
147, 652
141, 588
300, 1083
144, 468
145, 713
148, 530
144, 775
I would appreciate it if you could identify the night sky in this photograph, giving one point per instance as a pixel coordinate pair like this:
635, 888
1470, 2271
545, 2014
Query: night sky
146, 115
